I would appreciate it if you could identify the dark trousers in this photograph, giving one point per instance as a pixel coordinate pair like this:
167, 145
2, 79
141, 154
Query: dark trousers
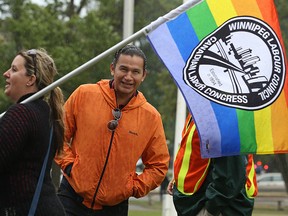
72, 203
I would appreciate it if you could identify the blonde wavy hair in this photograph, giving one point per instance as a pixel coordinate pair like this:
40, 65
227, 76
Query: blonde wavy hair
41, 64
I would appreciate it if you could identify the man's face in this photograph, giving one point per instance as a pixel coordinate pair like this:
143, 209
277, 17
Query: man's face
128, 75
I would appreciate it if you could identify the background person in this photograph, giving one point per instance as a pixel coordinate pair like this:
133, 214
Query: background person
110, 125
25, 134
218, 186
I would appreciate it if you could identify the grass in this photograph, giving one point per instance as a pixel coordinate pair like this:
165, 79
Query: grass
143, 208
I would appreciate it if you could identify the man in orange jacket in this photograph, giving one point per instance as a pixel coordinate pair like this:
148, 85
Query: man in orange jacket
211, 187
109, 126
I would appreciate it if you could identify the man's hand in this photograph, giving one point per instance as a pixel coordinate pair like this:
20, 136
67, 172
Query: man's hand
170, 187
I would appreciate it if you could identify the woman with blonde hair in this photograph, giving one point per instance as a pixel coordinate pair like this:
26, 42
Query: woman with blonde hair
29, 133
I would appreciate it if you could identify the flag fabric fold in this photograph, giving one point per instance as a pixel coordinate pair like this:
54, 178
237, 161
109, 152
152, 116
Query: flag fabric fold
228, 59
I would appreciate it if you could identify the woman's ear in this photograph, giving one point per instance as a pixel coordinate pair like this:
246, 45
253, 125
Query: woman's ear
31, 81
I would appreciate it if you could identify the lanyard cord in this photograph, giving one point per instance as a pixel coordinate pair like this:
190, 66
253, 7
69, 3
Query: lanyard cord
103, 170
40, 180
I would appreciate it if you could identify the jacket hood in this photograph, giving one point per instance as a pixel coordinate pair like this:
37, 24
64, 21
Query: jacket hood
110, 96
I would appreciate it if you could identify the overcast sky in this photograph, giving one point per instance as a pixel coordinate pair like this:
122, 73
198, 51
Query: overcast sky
42, 2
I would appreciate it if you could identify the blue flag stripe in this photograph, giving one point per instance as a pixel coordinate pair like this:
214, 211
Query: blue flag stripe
175, 63
185, 40
229, 143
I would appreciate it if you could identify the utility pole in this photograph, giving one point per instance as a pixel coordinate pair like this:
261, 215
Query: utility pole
168, 208
128, 18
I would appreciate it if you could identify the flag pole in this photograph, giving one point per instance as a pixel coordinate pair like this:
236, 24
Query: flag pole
179, 124
144, 31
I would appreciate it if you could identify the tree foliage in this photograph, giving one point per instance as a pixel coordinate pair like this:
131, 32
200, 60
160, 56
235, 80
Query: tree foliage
74, 34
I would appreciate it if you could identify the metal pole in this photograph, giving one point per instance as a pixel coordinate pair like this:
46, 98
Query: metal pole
168, 206
179, 124
128, 18
144, 31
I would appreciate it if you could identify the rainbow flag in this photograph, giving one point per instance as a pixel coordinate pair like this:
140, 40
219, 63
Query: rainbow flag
227, 57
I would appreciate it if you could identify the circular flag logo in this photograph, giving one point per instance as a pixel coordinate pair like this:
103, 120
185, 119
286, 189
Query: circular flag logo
240, 64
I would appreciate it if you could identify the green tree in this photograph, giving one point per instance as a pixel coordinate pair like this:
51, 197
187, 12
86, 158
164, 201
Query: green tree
73, 39
282, 9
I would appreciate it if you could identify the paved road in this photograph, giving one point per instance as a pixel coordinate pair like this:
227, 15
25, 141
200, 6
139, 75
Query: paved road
275, 202
264, 200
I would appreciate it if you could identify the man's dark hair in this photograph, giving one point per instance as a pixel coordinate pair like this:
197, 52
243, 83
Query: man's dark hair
130, 50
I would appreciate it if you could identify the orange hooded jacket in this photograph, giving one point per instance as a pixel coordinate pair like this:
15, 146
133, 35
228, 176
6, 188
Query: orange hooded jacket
139, 133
